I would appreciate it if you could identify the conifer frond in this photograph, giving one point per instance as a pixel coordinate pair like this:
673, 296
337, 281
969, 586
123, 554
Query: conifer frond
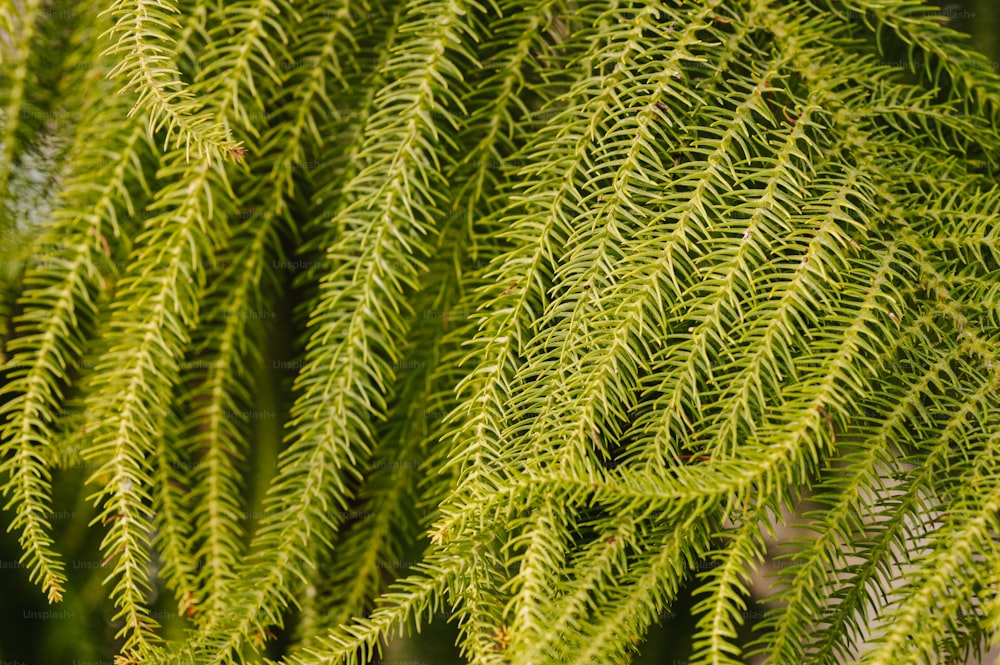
725, 586
199, 203
345, 379
570, 303
947, 580
146, 61
172, 507
543, 541
632, 606
604, 559
345, 123
61, 288
227, 355
933, 50
19, 25
845, 496
386, 522
238, 71
411, 599
158, 305
38, 56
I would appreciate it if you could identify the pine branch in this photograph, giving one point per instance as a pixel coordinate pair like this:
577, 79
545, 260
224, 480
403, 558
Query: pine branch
237, 70
479, 605
721, 257
726, 589
58, 313
357, 321
646, 592
845, 495
157, 308
611, 207
19, 23
526, 269
172, 504
945, 582
544, 540
320, 232
195, 209
970, 72
894, 531
495, 100
142, 41
232, 337
387, 501
603, 561
413, 598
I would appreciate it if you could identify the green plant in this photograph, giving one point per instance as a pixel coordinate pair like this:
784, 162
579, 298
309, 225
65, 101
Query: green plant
576, 296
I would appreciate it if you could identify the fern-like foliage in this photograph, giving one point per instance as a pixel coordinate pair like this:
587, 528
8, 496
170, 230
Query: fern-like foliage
561, 307
146, 60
